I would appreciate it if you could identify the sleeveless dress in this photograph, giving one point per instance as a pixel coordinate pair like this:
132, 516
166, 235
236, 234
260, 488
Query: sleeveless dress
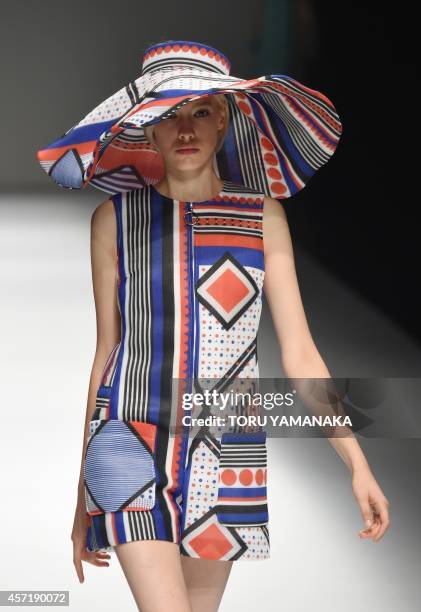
189, 284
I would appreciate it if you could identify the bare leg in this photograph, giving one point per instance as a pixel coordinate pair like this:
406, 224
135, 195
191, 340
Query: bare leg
153, 571
206, 581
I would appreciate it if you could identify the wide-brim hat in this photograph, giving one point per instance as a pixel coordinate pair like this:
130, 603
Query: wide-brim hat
280, 131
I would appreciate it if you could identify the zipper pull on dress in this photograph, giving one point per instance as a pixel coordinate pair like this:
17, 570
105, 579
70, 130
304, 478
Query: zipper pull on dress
189, 211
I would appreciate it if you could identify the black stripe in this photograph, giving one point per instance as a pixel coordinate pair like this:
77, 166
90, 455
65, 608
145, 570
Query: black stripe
166, 231
231, 232
130, 94
227, 215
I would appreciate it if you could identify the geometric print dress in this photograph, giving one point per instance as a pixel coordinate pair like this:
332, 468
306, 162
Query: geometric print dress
189, 280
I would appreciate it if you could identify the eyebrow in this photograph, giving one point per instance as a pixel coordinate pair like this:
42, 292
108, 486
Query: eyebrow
202, 102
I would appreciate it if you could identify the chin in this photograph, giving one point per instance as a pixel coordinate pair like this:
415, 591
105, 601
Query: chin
195, 161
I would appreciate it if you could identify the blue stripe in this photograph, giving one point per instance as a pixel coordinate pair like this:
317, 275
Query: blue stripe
157, 314
197, 326
230, 149
243, 492
258, 437
116, 199
79, 135
119, 527
96, 523
292, 153
207, 255
239, 518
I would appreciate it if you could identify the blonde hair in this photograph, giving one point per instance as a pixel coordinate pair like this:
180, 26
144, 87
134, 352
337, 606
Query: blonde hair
222, 102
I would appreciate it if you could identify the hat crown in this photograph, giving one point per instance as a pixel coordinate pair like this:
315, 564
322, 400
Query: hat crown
186, 54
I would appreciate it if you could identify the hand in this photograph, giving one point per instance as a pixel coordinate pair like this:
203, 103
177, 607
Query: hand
80, 552
373, 504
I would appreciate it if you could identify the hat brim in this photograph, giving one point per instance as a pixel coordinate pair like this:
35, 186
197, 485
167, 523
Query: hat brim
280, 133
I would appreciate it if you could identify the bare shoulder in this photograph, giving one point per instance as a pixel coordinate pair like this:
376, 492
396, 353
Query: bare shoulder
276, 234
103, 213
103, 225
273, 208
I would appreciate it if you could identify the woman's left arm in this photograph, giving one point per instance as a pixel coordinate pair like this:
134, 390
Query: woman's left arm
301, 359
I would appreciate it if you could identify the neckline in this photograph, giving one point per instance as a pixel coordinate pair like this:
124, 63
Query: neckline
217, 195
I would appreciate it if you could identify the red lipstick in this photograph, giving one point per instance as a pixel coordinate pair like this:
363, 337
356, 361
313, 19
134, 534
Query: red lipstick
187, 150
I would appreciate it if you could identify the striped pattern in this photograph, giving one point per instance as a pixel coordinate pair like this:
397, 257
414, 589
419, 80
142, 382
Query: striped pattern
166, 326
242, 450
186, 54
281, 131
242, 494
136, 348
119, 467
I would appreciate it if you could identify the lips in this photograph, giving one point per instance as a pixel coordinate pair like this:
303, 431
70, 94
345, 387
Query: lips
186, 150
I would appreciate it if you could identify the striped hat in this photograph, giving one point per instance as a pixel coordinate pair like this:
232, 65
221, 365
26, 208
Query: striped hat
280, 131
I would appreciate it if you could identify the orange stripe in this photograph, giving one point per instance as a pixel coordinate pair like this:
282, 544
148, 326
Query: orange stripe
51, 154
183, 272
224, 240
114, 528
134, 509
176, 467
230, 222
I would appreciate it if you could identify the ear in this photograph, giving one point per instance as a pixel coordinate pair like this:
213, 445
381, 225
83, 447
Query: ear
222, 120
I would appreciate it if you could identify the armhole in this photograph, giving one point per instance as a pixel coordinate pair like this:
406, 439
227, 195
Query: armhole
116, 200
117, 205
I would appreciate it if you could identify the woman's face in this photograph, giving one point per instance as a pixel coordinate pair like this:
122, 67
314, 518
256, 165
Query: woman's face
189, 138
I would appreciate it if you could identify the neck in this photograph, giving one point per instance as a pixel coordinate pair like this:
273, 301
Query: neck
198, 187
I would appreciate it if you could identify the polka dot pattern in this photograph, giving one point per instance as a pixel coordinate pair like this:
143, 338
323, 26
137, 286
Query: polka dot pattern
257, 541
230, 477
173, 73
220, 348
111, 108
203, 483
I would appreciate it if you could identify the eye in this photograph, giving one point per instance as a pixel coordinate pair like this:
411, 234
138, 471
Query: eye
202, 110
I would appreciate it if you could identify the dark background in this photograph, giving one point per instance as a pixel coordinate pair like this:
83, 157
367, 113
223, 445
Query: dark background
357, 215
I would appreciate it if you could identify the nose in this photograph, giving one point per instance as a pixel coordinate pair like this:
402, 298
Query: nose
185, 129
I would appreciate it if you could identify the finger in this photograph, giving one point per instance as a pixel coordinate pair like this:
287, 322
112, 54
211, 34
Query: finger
101, 563
376, 528
98, 558
385, 522
79, 569
103, 555
366, 513
377, 510
368, 532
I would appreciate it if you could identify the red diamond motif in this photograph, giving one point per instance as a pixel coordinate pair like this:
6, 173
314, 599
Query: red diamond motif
227, 290
211, 543
237, 290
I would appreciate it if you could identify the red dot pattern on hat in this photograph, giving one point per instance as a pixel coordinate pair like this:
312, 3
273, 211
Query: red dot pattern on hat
278, 186
193, 49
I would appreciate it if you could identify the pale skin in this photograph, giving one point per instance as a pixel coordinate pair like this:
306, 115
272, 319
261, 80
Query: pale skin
193, 585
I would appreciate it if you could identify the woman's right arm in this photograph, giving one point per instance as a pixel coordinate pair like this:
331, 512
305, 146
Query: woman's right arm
108, 323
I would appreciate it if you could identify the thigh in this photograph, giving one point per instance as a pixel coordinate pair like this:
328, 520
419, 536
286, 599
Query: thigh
206, 580
154, 573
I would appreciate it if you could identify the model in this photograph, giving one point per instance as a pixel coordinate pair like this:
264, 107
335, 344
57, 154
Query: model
196, 162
